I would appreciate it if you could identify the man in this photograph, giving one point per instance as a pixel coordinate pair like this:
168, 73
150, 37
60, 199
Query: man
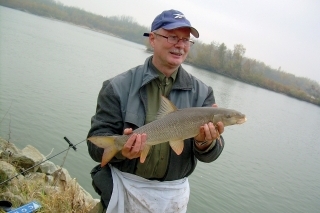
131, 100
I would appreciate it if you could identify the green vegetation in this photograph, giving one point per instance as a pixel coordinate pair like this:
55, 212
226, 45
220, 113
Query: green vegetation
214, 57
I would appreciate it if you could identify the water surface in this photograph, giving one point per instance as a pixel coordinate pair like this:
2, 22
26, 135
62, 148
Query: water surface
50, 76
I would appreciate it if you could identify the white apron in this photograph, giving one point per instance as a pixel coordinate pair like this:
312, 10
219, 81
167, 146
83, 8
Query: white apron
132, 193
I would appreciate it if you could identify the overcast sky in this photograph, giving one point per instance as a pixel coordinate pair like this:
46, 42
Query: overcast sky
280, 33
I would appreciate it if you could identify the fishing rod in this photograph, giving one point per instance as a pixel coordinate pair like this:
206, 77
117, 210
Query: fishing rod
71, 145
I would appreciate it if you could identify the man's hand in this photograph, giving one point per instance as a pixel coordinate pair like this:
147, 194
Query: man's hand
135, 144
208, 133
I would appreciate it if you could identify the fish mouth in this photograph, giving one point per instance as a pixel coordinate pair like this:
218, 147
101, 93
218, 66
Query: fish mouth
242, 120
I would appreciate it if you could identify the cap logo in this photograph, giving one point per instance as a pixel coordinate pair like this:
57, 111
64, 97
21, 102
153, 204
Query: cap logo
177, 15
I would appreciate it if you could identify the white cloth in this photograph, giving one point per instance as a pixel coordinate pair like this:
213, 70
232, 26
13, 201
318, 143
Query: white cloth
132, 193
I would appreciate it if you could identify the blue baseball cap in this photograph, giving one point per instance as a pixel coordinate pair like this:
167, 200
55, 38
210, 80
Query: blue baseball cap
172, 19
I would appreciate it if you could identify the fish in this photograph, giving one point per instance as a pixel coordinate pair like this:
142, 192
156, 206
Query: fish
171, 125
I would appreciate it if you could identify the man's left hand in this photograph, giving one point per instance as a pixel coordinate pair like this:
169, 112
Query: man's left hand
208, 133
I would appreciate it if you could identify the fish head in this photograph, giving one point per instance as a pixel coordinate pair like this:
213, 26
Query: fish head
230, 117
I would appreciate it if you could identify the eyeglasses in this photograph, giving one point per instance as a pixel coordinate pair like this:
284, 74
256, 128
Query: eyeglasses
176, 39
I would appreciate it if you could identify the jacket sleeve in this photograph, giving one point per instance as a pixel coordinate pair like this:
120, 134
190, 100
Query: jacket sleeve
209, 99
214, 152
108, 109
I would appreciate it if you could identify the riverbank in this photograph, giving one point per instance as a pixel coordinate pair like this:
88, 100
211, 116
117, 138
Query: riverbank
26, 176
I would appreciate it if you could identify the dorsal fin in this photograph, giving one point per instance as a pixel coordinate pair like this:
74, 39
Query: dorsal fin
166, 107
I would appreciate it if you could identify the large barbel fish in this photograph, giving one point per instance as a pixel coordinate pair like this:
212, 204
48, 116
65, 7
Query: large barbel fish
173, 125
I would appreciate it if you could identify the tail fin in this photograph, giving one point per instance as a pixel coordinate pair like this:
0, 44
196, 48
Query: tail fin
106, 142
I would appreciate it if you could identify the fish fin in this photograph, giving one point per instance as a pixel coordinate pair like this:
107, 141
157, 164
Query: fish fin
177, 146
166, 107
144, 153
108, 154
106, 142
102, 141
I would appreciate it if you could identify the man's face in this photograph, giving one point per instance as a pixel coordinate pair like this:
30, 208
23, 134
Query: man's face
167, 54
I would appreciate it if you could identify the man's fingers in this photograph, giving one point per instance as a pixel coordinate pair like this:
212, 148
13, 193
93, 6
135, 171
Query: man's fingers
134, 146
127, 131
135, 149
220, 127
206, 132
131, 141
213, 132
143, 141
210, 132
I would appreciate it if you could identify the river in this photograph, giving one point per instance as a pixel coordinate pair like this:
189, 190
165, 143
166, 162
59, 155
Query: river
50, 76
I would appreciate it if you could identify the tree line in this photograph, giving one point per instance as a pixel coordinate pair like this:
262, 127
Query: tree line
213, 57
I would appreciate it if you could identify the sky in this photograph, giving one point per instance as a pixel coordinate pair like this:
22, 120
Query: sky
283, 34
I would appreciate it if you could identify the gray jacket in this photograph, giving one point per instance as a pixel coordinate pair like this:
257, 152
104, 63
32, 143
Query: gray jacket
122, 103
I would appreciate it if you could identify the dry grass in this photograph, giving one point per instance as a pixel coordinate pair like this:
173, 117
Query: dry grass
52, 199
65, 198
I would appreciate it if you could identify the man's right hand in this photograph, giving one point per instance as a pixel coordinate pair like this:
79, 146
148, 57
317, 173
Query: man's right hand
134, 145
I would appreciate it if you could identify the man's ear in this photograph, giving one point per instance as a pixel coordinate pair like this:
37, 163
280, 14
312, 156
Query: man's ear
151, 39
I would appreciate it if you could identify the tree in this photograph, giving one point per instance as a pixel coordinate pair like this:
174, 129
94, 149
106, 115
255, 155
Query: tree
221, 56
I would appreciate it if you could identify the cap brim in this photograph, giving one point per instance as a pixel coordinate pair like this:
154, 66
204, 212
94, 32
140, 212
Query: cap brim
172, 26
193, 31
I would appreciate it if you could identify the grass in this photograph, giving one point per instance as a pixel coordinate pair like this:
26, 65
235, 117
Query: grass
51, 198
38, 187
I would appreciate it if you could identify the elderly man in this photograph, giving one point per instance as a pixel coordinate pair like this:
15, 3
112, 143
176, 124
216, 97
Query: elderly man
132, 99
